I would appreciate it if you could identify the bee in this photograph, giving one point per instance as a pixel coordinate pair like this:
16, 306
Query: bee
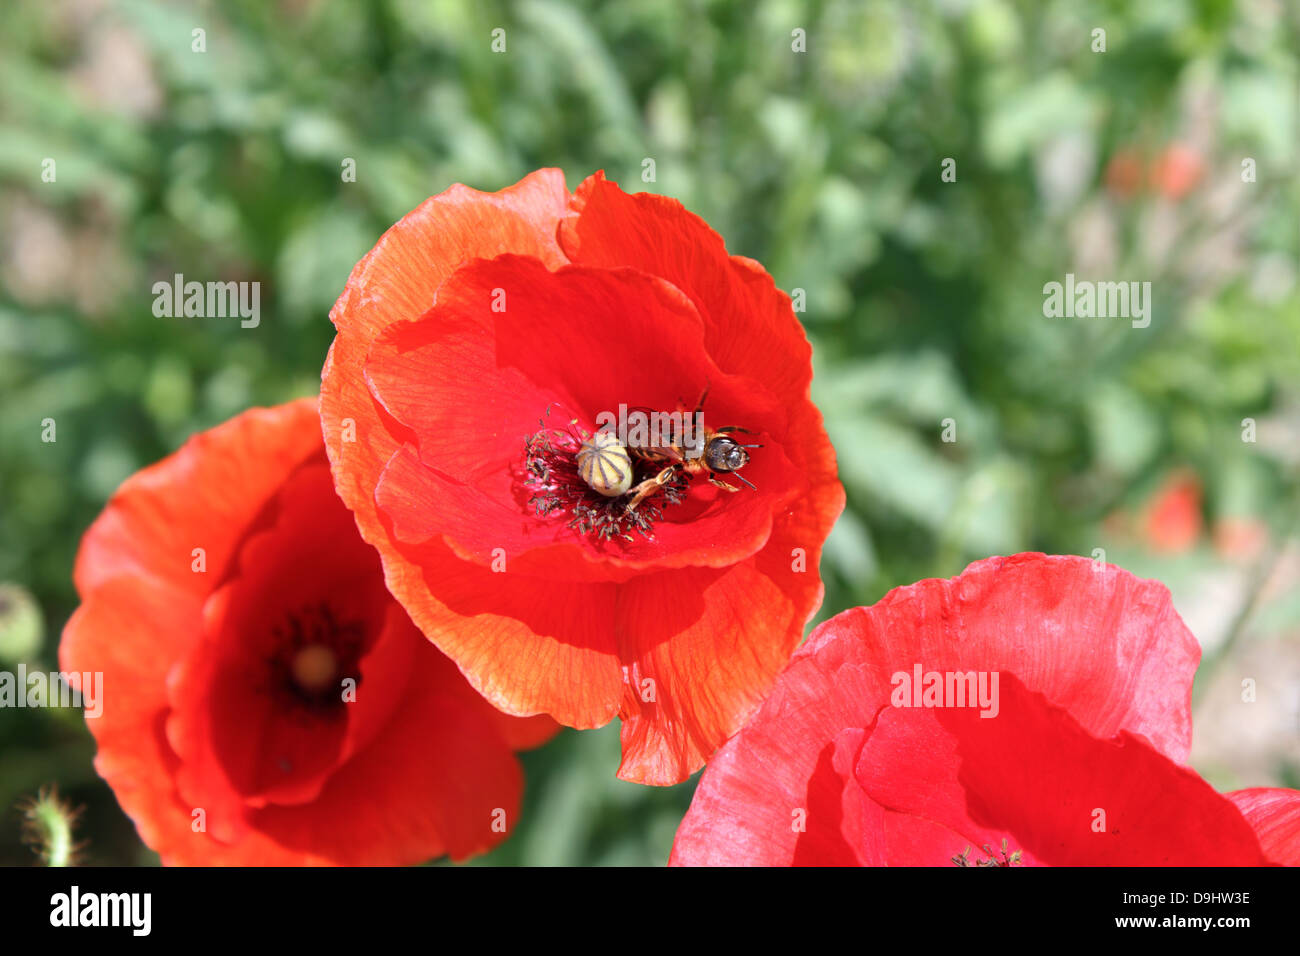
721, 455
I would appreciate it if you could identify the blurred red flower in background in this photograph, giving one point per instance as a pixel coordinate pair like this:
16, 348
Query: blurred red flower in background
1171, 521
1077, 761
472, 319
1177, 170
1168, 521
265, 701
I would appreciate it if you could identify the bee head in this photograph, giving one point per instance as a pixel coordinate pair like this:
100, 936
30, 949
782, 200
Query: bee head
725, 454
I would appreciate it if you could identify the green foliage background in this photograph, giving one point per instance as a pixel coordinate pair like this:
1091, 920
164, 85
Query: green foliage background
924, 298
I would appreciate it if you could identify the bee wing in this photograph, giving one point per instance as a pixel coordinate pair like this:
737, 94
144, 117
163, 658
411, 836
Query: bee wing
647, 449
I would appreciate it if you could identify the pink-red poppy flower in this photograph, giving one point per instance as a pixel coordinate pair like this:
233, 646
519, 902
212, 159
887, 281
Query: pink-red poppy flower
476, 345
1033, 710
262, 698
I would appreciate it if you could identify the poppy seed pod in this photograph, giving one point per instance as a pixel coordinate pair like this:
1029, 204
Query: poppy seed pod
605, 465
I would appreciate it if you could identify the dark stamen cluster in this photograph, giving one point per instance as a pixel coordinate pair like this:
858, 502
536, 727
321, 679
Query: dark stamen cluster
551, 475
316, 625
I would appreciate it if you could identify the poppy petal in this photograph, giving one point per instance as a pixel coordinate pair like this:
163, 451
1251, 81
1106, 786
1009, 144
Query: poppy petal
1034, 774
1107, 646
399, 279
837, 817
523, 643
700, 650
1274, 814
755, 787
750, 327
229, 472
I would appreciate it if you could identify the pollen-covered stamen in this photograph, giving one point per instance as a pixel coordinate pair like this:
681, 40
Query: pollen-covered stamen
991, 858
314, 652
553, 458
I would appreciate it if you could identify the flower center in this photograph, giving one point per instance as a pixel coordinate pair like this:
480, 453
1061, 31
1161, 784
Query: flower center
568, 471
314, 652
314, 667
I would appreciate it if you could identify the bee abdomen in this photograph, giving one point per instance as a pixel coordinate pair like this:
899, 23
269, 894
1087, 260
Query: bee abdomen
604, 464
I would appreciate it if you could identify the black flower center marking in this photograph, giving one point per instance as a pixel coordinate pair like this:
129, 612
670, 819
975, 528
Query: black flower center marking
314, 652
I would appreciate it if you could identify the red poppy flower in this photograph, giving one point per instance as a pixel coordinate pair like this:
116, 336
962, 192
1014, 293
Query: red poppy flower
1074, 758
477, 345
1172, 519
264, 700
1177, 170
